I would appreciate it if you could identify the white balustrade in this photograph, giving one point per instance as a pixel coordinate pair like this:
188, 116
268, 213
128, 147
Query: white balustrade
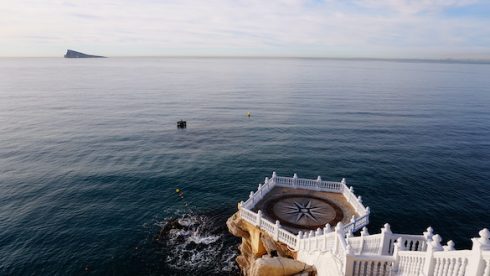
312, 184
371, 255
451, 263
372, 244
369, 265
410, 263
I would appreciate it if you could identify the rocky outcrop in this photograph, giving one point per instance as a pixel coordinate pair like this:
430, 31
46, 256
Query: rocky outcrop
261, 255
75, 54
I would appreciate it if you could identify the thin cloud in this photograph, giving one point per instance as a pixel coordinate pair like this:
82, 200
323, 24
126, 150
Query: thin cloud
361, 28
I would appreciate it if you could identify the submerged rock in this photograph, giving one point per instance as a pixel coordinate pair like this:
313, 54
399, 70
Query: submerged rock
75, 54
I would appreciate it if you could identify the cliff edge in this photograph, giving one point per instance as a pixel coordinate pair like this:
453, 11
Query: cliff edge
75, 54
261, 255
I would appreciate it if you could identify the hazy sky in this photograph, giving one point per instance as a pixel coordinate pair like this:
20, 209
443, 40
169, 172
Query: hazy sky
327, 28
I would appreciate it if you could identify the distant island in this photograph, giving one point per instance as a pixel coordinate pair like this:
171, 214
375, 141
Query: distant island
75, 54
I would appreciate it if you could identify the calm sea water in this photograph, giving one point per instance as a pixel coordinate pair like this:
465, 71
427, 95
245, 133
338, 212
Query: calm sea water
90, 156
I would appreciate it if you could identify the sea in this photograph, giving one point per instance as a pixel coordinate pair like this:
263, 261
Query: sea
91, 157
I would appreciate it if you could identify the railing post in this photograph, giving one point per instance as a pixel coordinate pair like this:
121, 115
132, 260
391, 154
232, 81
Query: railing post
349, 261
251, 196
298, 240
339, 234
353, 222
318, 235
433, 246
273, 179
259, 218
311, 235
398, 246
368, 212
475, 261
276, 230
386, 234
428, 237
327, 229
364, 233
295, 180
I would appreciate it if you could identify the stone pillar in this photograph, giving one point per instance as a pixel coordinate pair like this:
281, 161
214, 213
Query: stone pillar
475, 261
349, 261
259, 218
364, 233
433, 246
299, 241
339, 234
276, 230
368, 211
353, 221
386, 234
428, 237
398, 246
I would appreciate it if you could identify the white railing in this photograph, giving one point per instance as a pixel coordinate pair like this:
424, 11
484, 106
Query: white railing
371, 255
415, 255
310, 184
366, 255
410, 242
410, 263
274, 230
372, 244
451, 263
318, 185
369, 265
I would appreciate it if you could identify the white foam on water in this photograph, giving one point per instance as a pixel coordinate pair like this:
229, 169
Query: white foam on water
195, 242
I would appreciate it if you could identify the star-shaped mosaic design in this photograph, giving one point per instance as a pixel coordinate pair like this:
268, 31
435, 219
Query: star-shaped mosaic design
303, 210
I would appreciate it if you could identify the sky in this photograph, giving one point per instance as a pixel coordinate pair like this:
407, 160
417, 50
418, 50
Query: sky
454, 29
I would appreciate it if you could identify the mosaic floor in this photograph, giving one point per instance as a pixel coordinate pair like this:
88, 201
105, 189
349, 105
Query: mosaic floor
304, 210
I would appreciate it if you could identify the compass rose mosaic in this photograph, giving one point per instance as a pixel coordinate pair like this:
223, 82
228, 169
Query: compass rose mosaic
301, 211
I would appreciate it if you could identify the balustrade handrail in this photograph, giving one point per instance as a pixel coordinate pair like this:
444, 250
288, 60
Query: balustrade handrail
420, 254
318, 184
412, 253
451, 254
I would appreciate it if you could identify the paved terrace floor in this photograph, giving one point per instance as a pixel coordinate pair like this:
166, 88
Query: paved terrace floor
305, 210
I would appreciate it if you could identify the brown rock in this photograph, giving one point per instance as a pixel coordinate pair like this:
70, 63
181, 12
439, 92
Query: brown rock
256, 249
278, 266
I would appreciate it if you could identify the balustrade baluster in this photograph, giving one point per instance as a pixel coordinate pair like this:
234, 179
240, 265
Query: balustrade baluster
437, 267
487, 269
452, 265
445, 267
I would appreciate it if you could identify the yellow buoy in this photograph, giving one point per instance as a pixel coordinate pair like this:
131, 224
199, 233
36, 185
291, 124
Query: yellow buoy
177, 190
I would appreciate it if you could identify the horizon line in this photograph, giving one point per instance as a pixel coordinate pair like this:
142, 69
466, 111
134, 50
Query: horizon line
448, 60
